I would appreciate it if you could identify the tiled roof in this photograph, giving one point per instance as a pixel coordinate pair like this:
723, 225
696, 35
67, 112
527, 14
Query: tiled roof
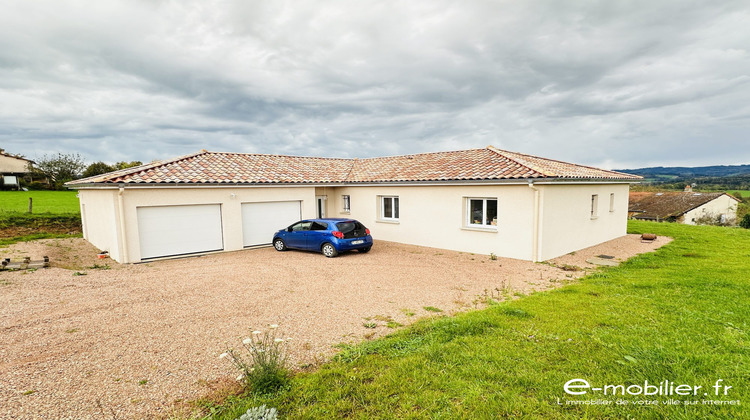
6, 154
239, 168
476, 164
665, 205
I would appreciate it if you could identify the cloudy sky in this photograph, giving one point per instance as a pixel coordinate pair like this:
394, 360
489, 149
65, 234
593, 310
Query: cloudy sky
617, 84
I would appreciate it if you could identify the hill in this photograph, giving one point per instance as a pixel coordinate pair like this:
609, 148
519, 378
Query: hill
690, 172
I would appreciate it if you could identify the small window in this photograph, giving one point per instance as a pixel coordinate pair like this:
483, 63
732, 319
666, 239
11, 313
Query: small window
301, 226
612, 202
594, 206
346, 203
482, 212
319, 226
389, 208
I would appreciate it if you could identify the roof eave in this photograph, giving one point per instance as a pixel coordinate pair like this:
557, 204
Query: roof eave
497, 181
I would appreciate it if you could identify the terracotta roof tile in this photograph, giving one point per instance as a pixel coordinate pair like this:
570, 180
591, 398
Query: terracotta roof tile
238, 168
665, 205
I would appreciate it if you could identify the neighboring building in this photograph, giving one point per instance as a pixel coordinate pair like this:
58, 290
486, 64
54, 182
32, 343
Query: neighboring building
686, 207
12, 168
482, 201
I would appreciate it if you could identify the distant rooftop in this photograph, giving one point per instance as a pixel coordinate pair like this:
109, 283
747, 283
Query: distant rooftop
19, 157
665, 205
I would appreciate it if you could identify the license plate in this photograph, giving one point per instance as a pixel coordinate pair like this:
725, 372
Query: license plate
357, 242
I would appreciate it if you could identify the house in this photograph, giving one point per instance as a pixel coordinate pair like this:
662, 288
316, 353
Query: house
481, 201
11, 169
686, 207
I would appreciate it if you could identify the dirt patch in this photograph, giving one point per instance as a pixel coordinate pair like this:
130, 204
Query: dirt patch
136, 341
21, 224
67, 253
12, 232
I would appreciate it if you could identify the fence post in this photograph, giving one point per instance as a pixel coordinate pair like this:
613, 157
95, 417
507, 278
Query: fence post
30, 204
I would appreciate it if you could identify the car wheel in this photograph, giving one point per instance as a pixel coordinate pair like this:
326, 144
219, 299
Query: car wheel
279, 244
363, 250
329, 250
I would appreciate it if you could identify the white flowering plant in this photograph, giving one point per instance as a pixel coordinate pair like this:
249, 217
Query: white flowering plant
262, 361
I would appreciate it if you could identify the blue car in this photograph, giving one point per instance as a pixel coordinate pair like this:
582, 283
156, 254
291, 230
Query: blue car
329, 236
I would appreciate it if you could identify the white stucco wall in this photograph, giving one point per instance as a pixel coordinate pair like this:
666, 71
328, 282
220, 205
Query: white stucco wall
231, 210
566, 221
99, 218
13, 165
723, 204
434, 216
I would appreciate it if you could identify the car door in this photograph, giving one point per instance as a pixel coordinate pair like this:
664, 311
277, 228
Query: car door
297, 238
318, 234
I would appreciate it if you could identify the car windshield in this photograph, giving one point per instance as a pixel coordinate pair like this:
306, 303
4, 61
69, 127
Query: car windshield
351, 229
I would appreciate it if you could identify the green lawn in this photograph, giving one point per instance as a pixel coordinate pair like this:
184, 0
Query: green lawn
745, 193
681, 314
43, 201
55, 215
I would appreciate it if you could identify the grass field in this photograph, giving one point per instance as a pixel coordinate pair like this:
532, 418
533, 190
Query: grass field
58, 202
56, 214
681, 314
745, 193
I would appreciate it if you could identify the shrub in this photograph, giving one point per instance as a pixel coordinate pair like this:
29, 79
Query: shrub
715, 220
264, 368
745, 222
260, 413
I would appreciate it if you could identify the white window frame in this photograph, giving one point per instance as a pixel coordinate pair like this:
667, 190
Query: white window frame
612, 202
594, 206
468, 219
395, 214
346, 203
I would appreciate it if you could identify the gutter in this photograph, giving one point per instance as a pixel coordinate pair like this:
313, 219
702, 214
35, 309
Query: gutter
467, 182
537, 220
123, 236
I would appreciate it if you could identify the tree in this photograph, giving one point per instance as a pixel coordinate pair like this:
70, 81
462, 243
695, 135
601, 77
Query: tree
97, 168
745, 222
60, 168
126, 165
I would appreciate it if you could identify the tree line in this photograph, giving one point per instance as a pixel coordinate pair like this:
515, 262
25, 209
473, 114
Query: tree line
57, 169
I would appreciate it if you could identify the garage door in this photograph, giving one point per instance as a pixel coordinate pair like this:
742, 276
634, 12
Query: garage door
261, 220
176, 230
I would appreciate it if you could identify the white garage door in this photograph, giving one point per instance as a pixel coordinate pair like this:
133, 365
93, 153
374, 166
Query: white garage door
261, 220
176, 230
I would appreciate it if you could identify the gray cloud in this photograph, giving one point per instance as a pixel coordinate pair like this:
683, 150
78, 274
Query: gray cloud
616, 84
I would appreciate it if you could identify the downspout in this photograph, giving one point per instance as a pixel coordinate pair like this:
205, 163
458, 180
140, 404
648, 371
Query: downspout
123, 235
535, 239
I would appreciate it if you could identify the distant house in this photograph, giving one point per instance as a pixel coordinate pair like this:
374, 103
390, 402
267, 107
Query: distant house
11, 169
686, 207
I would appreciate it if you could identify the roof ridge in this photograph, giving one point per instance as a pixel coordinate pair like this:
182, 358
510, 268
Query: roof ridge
500, 152
558, 161
277, 155
420, 154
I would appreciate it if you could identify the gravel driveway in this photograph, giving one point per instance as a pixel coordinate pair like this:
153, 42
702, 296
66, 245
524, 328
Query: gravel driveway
135, 340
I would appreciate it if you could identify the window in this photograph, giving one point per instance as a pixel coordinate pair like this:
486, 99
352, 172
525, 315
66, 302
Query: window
301, 226
612, 202
389, 208
346, 203
594, 206
319, 226
482, 212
